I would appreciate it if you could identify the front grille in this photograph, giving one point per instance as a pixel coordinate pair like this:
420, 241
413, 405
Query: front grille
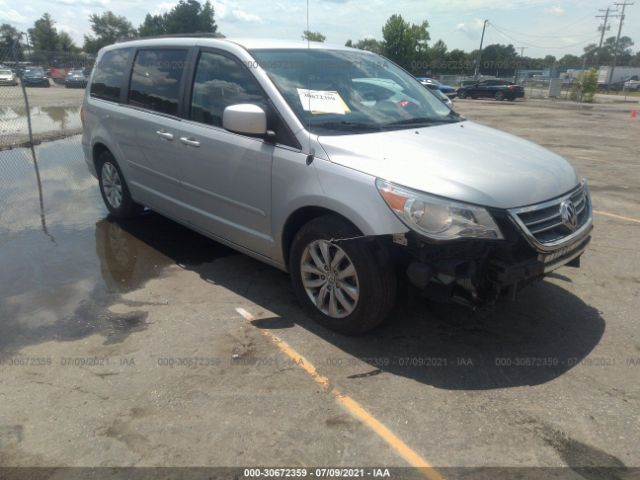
543, 223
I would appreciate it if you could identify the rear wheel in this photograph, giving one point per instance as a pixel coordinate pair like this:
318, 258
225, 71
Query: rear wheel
344, 285
113, 188
499, 96
462, 95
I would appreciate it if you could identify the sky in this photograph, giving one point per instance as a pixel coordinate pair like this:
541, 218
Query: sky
553, 27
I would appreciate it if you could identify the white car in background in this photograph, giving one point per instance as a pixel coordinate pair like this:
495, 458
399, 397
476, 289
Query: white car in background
7, 77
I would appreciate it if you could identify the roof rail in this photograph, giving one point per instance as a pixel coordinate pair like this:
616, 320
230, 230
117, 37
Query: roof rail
175, 35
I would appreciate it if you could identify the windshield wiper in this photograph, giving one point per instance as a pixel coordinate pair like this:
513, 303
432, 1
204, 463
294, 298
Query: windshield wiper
346, 125
419, 121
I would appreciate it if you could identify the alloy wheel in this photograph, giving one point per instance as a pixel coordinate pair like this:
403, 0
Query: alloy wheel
112, 185
329, 278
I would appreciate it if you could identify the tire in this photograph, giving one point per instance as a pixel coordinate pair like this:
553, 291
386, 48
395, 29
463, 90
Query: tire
499, 96
462, 95
113, 188
368, 294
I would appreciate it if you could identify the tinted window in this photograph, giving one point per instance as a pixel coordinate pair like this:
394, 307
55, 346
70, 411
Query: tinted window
220, 82
155, 81
110, 74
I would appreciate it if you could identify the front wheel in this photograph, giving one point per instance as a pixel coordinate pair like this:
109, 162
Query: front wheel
343, 283
113, 188
499, 96
462, 95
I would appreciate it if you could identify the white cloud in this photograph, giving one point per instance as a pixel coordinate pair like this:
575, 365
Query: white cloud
230, 11
164, 7
12, 16
556, 10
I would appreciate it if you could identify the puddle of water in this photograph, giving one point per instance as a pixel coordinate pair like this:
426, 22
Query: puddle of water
63, 261
13, 120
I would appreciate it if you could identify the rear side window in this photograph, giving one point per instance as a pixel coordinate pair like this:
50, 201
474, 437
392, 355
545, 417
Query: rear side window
155, 81
111, 74
220, 82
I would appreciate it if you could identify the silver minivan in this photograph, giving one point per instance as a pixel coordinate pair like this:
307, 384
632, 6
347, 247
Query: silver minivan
333, 164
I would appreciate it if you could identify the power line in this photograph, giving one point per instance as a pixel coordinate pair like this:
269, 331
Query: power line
583, 34
547, 47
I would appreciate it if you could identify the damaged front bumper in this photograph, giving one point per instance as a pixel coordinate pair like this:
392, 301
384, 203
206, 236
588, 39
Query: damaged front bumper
481, 272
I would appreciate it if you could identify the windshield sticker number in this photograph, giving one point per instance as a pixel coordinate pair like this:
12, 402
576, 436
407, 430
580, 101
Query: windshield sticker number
322, 101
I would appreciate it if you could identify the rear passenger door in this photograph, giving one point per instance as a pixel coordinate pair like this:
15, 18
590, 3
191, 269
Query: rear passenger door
149, 135
226, 176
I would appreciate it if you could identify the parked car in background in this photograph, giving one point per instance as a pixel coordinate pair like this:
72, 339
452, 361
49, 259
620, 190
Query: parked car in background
498, 89
436, 91
446, 100
448, 90
35, 77
632, 83
75, 79
7, 77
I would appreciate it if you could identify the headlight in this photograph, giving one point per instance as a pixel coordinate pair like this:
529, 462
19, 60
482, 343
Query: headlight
438, 218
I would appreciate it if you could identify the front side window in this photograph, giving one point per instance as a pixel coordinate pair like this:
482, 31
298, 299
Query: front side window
110, 74
155, 80
220, 82
335, 92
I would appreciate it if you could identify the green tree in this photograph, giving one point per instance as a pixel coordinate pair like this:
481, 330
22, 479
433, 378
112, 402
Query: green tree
437, 56
207, 19
189, 16
10, 45
313, 36
44, 35
570, 61
153, 25
405, 43
499, 60
66, 43
368, 44
108, 28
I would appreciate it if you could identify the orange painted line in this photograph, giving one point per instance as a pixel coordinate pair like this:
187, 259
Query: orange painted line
357, 410
619, 217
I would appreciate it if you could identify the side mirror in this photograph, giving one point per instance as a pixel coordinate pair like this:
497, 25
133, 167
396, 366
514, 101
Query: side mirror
245, 118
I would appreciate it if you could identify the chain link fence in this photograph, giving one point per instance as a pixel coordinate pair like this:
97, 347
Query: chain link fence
40, 130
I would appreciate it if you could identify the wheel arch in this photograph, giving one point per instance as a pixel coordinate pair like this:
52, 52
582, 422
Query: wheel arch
298, 219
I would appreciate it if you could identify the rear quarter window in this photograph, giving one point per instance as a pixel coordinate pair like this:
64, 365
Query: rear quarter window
111, 74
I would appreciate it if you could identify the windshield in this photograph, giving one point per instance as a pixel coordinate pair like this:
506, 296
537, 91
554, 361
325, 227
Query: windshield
342, 92
5, 72
34, 71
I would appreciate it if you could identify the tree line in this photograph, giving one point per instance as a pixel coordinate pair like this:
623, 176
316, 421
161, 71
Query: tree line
188, 16
405, 43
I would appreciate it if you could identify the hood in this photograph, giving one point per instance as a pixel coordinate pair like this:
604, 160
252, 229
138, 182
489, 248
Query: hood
462, 161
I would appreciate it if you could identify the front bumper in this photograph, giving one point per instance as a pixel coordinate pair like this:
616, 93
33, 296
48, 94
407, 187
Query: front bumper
480, 272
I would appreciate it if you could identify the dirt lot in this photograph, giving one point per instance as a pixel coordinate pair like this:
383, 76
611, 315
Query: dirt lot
143, 344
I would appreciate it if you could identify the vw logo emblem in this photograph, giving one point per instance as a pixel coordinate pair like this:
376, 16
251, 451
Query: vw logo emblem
569, 215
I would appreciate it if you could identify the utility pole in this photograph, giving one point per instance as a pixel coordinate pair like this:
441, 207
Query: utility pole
603, 29
615, 51
517, 70
475, 75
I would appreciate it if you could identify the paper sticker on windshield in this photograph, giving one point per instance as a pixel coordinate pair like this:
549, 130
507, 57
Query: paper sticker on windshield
322, 101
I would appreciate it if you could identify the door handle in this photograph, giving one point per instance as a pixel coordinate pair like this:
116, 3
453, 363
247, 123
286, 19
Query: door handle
190, 141
164, 134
